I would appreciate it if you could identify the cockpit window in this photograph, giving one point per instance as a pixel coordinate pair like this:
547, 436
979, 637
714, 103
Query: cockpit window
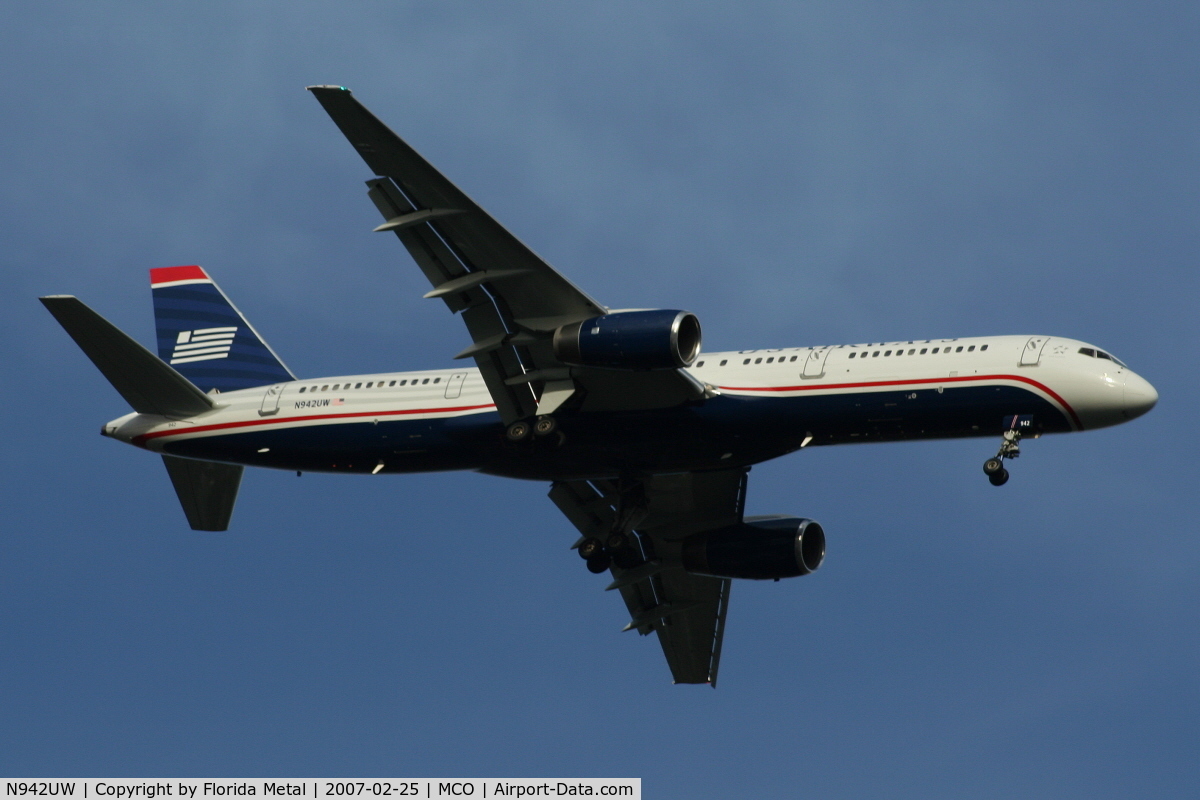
1087, 351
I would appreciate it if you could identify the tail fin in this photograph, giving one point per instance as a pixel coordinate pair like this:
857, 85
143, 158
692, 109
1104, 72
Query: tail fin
203, 335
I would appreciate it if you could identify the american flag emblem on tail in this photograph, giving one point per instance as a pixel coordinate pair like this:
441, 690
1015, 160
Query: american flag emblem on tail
203, 344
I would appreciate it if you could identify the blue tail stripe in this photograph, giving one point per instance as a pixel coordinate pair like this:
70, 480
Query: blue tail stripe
223, 360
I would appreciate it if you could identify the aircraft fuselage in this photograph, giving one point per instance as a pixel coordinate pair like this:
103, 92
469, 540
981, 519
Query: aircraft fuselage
763, 405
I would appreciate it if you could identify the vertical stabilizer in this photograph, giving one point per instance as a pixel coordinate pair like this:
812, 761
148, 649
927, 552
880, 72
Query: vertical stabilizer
205, 338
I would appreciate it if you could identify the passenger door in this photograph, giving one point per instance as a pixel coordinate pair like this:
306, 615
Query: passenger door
814, 365
270, 403
454, 385
1032, 353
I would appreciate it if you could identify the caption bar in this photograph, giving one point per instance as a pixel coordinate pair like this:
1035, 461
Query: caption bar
230, 788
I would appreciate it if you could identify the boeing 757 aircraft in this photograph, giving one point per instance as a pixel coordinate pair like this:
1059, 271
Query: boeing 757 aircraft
645, 439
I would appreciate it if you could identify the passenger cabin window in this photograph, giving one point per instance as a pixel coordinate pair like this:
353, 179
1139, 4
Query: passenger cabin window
699, 364
852, 355
724, 361
982, 348
437, 380
793, 358
393, 383
425, 381
958, 349
971, 349
747, 361
301, 390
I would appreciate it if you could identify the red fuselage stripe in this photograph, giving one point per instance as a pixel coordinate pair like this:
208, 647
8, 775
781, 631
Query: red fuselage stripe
869, 384
277, 421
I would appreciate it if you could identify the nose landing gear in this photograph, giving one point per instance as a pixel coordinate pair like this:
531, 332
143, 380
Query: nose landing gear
1009, 448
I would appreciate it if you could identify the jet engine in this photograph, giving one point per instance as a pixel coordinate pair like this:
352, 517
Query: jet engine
761, 548
657, 339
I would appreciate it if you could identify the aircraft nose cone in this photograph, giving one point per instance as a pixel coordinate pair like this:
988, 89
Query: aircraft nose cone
1140, 396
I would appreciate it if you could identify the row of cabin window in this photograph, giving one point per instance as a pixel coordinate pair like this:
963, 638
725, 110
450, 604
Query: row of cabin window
913, 351
359, 385
770, 360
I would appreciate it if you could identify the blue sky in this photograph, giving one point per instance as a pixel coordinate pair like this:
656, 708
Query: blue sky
794, 173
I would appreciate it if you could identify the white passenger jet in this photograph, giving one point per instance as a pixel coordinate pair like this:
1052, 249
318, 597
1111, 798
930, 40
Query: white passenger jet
646, 440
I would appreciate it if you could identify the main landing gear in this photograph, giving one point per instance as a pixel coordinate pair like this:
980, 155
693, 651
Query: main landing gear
1009, 448
618, 547
521, 430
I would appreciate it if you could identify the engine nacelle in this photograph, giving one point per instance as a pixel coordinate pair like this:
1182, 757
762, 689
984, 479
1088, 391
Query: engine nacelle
761, 548
658, 339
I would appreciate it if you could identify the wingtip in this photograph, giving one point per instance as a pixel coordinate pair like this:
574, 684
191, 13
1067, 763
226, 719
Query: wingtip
327, 88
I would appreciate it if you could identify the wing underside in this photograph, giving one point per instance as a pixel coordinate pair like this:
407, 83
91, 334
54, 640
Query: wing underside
686, 611
510, 299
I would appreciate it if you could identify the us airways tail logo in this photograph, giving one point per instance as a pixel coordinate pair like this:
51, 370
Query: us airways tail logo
204, 344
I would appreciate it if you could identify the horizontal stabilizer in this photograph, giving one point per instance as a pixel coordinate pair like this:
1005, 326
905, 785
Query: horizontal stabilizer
207, 490
146, 383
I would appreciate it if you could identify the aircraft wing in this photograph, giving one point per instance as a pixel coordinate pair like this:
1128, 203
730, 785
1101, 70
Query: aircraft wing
686, 611
510, 299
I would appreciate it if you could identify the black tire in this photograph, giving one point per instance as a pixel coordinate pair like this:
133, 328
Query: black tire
999, 478
518, 431
617, 541
544, 426
598, 564
993, 466
590, 547
626, 559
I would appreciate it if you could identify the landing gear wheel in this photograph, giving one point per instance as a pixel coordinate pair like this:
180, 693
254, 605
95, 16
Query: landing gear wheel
598, 564
626, 559
518, 431
544, 426
590, 547
617, 541
999, 478
993, 466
